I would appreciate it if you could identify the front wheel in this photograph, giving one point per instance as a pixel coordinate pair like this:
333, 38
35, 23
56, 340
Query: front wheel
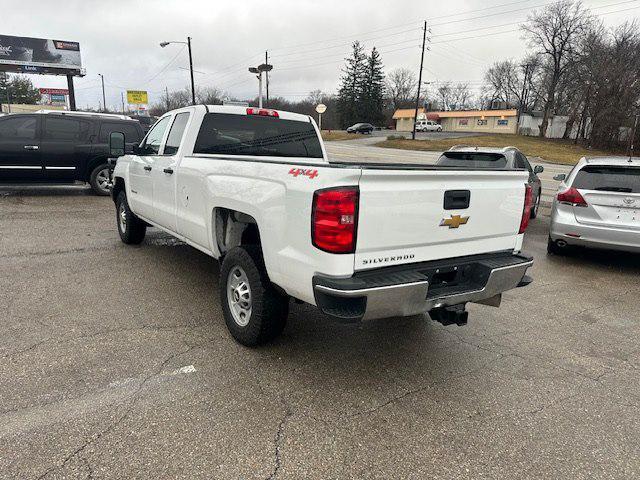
99, 179
131, 229
254, 311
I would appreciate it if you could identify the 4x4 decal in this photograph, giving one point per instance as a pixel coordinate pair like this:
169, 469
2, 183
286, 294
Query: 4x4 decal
304, 171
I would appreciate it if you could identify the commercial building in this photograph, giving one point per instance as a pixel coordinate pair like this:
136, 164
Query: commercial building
487, 121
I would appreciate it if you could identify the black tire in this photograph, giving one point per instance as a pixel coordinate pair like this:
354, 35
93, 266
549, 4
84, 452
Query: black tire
97, 179
268, 309
131, 229
536, 206
553, 248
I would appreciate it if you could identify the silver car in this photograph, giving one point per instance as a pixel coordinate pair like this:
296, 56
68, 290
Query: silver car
597, 205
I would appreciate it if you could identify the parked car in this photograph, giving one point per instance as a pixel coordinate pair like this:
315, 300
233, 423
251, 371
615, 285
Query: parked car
428, 126
510, 158
254, 188
365, 128
60, 147
597, 205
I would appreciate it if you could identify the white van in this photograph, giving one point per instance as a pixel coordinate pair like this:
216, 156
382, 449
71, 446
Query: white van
428, 126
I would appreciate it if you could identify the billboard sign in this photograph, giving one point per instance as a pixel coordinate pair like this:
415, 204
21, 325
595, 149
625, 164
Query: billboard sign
137, 97
53, 91
39, 55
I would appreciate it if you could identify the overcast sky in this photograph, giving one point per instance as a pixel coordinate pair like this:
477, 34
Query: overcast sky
306, 39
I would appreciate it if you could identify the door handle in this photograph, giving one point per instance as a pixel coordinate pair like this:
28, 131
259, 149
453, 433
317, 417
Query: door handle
168, 170
147, 168
31, 147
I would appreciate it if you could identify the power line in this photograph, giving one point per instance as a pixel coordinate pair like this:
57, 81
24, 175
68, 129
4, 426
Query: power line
165, 67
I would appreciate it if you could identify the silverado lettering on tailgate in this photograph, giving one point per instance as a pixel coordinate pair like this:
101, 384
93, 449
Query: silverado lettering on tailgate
395, 258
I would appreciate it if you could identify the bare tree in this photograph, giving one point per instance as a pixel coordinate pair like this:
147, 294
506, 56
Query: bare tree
555, 32
444, 92
502, 82
209, 95
460, 96
316, 96
401, 88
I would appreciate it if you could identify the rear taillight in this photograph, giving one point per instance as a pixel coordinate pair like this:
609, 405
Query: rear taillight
526, 210
263, 112
334, 219
572, 196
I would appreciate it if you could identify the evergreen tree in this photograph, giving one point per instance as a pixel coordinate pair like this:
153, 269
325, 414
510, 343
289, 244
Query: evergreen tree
350, 93
372, 96
20, 90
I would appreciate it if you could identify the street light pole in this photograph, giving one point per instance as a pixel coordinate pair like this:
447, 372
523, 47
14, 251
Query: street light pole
104, 100
265, 67
188, 44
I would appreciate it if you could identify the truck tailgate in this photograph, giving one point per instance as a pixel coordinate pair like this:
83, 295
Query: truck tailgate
402, 216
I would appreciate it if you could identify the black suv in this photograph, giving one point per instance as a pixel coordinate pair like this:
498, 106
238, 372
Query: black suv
61, 147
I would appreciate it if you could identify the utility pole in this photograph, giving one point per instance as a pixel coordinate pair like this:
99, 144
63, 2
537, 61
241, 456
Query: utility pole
193, 88
415, 113
266, 62
122, 100
166, 96
524, 93
104, 99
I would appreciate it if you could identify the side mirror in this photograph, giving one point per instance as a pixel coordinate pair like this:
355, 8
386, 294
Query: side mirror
538, 169
561, 177
116, 144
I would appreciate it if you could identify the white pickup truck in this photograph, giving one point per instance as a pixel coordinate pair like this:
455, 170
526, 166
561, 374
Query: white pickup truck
255, 188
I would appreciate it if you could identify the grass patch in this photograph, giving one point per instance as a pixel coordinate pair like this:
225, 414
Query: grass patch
552, 150
334, 135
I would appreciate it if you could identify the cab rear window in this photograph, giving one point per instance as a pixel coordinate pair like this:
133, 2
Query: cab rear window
608, 179
230, 134
473, 160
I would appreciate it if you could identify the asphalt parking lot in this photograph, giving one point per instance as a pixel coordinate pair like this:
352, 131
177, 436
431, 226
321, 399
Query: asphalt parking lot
116, 363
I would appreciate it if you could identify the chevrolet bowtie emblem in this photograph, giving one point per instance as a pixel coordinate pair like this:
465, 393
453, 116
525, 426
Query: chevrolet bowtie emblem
454, 222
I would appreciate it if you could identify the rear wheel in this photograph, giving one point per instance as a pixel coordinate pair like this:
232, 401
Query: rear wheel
131, 229
99, 179
254, 311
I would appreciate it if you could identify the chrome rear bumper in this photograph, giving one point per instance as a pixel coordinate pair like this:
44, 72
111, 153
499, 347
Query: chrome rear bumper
416, 289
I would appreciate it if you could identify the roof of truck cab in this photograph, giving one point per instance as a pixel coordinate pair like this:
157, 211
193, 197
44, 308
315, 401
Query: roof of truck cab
242, 110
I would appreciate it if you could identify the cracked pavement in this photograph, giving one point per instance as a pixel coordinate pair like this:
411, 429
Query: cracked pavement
115, 363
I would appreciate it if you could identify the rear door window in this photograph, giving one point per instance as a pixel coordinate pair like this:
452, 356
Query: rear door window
18, 128
473, 160
131, 134
175, 134
231, 134
607, 178
66, 129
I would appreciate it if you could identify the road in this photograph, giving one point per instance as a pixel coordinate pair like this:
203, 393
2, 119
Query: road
364, 150
115, 363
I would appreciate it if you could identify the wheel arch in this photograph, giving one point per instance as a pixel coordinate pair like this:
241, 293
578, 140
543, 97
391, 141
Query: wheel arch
233, 228
93, 163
